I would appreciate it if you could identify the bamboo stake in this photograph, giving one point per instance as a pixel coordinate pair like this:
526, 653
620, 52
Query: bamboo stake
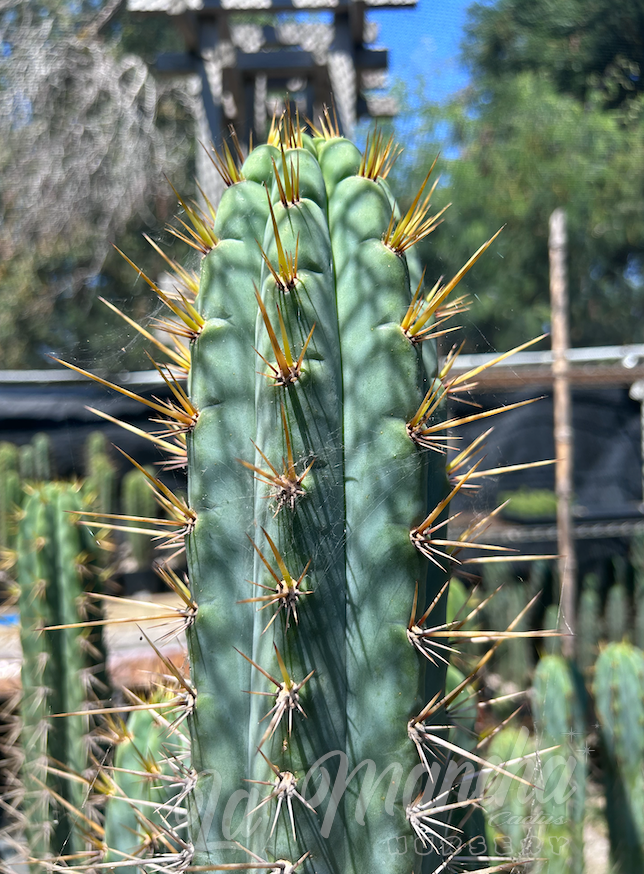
563, 433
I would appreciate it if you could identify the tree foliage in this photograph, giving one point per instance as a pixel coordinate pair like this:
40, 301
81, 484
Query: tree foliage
85, 136
514, 147
578, 43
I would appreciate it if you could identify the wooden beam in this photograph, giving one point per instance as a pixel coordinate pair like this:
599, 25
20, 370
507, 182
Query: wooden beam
213, 8
279, 63
557, 247
580, 375
177, 64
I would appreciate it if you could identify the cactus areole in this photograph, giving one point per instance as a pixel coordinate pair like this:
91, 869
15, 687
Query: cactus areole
313, 430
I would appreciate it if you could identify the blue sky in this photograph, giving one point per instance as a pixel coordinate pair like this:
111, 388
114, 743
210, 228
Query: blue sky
425, 42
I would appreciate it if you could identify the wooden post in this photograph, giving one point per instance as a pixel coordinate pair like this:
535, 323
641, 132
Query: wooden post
563, 432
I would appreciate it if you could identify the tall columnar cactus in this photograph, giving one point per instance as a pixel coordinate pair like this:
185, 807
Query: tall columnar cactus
619, 701
137, 499
617, 612
552, 645
26, 465
588, 623
558, 704
35, 459
51, 566
513, 662
512, 821
100, 474
314, 528
42, 457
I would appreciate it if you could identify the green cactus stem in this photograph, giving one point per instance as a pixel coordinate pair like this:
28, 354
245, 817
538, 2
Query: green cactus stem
313, 426
558, 705
510, 811
137, 499
26, 463
56, 671
141, 786
10, 494
588, 623
99, 485
619, 701
551, 645
43, 468
616, 616
639, 619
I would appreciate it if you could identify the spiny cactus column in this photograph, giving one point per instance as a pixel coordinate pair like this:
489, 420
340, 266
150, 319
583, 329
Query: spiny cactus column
314, 529
308, 530
222, 388
55, 666
142, 785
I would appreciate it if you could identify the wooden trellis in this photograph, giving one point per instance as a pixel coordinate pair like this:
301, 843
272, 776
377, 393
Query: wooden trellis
243, 63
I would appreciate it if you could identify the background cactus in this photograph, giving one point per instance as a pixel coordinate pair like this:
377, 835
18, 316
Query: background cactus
639, 616
142, 785
137, 499
588, 623
43, 469
34, 459
514, 661
559, 713
10, 494
509, 804
617, 612
99, 485
54, 559
637, 563
551, 645
314, 523
619, 701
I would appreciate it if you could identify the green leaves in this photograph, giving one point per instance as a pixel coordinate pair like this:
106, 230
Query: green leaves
517, 149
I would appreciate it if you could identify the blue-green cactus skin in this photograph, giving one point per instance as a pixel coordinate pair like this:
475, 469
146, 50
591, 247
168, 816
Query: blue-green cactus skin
220, 557
313, 530
372, 291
